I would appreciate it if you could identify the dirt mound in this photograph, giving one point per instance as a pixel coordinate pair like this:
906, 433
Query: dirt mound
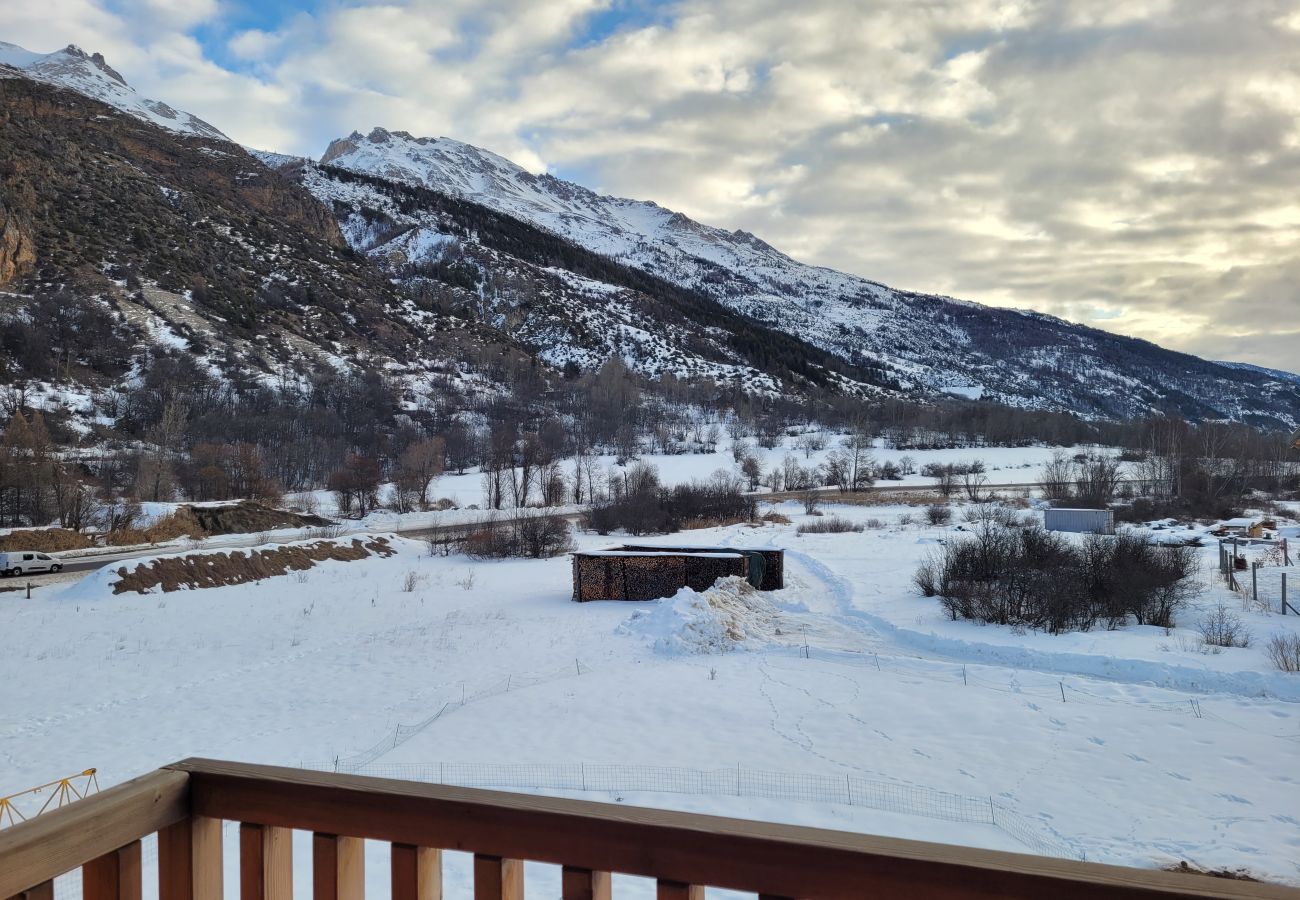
248, 517
181, 523
218, 569
45, 540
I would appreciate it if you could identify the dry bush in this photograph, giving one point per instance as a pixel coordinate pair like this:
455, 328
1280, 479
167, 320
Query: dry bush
1283, 651
775, 518
938, 514
177, 525
524, 536
1033, 578
1221, 627
829, 525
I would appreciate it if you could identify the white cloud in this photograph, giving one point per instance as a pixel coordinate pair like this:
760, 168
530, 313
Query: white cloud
1115, 163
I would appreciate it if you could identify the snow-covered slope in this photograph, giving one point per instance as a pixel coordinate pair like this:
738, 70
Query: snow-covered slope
90, 75
933, 344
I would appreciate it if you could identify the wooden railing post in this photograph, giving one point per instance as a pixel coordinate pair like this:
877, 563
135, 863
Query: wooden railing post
417, 872
338, 867
190, 860
265, 862
584, 884
675, 890
42, 891
498, 879
113, 876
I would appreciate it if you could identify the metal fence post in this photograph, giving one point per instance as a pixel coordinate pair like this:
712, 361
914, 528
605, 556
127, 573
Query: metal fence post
1254, 581
1284, 593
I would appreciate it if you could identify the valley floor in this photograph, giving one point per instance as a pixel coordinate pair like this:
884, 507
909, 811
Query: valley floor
1131, 747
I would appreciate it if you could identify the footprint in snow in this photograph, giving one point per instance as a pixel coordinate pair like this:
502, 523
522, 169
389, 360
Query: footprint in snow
1096, 740
1178, 776
920, 754
1235, 799
1035, 707
1136, 758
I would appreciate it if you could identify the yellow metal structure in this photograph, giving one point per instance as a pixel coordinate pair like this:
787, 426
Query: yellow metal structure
63, 790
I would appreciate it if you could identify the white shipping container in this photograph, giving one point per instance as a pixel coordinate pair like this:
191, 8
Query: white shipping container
1086, 521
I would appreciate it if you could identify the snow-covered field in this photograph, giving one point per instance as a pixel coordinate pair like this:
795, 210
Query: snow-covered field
1005, 465
1130, 747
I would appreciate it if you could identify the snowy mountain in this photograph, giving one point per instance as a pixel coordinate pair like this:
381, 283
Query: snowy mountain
571, 307
89, 74
935, 345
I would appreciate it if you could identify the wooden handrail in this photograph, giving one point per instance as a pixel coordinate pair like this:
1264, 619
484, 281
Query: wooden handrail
58, 841
683, 852
678, 849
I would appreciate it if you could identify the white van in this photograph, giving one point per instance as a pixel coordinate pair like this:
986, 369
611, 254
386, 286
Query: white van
26, 562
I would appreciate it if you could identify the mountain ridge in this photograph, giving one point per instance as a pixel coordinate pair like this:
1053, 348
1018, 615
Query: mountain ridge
929, 343
90, 74
616, 277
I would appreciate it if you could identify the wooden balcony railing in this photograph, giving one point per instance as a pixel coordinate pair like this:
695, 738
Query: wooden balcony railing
186, 804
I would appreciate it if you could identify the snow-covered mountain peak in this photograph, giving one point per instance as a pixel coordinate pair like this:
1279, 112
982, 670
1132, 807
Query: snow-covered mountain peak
91, 75
935, 345
612, 225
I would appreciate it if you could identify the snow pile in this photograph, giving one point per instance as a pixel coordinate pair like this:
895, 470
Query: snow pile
730, 615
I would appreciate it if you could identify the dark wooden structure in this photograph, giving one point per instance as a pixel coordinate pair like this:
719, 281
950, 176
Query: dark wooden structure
769, 575
187, 803
649, 575
647, 572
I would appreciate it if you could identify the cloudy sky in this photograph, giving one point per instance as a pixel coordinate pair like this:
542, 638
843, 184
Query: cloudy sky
1132, 165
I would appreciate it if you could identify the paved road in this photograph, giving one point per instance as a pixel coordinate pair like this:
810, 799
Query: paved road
889, 488
83, 564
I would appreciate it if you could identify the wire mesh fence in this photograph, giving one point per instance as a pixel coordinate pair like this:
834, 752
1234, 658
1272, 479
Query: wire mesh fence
1024, 682
1274, 588
847, 789
402, 733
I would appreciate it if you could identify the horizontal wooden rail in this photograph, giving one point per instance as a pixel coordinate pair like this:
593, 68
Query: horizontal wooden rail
60, 840
682, 851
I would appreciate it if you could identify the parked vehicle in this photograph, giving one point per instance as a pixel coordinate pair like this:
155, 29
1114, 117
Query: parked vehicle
25, 562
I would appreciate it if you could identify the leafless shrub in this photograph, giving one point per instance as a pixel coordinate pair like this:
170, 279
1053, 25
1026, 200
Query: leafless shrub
524, 535
1283, 651
927, 575
410, 581
938, 514
1038, 579
1223, 628
829, 525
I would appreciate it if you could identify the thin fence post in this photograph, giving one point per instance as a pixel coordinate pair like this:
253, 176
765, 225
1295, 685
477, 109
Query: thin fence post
1284, 593
963, 674
993, 818
1254, 581
1062, 685
848, 783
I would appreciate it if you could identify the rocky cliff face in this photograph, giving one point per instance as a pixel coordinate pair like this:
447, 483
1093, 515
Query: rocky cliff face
17, 255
